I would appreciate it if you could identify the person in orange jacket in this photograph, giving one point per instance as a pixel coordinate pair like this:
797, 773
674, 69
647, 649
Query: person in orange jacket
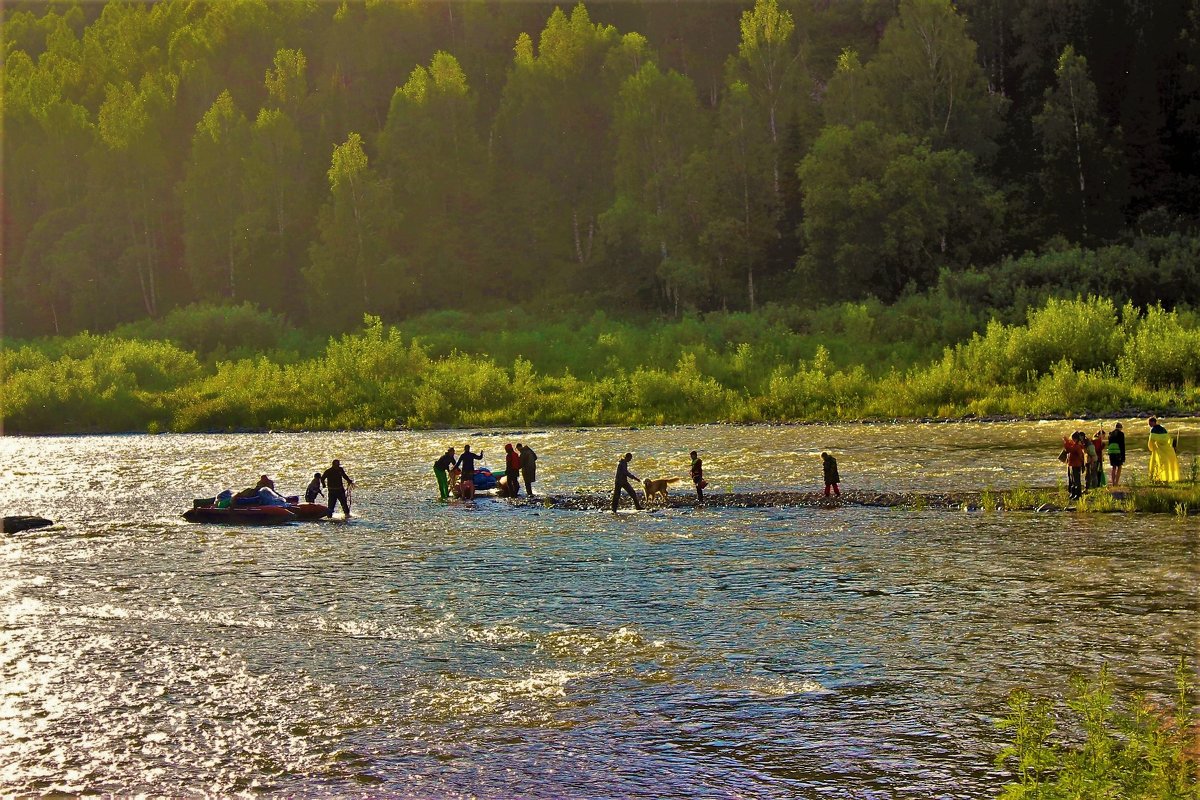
1076, 455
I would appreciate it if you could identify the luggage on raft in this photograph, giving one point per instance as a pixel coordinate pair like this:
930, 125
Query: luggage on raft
483, 479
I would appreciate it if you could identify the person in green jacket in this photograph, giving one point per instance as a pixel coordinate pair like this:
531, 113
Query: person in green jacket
440, 469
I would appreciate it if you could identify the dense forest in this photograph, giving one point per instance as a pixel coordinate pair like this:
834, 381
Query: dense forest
324, 161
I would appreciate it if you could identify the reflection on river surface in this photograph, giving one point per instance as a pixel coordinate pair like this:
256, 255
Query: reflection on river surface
483, 650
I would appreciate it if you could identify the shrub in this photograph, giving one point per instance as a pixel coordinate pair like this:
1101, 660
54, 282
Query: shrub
1129, 748
1161, 352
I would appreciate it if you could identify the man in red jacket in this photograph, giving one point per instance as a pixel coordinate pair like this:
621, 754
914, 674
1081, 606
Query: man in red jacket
512, 471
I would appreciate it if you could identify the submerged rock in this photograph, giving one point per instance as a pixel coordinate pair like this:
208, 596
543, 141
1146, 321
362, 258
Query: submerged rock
25, 523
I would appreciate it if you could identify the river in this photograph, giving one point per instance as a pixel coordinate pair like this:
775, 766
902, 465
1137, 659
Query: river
485, 650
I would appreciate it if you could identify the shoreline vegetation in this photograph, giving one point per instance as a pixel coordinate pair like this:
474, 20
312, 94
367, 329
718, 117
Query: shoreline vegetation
237, 368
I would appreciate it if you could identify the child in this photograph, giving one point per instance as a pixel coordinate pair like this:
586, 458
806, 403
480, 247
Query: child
314, 489
831, 475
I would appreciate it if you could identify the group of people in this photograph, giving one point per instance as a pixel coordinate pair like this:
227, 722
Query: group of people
1083, 456
334, 479
624, 474
456, 475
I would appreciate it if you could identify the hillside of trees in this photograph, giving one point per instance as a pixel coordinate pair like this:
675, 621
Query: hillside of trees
323, 161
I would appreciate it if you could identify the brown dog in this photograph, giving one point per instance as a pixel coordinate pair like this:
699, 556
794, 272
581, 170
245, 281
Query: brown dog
657, 486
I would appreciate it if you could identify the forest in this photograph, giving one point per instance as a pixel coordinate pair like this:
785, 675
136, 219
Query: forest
874, 180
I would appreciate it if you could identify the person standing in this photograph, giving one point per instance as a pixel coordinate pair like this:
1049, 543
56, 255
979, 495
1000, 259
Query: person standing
832, 479
1164, 464
466, 463
1076, 455
698, 476
335, 479
440, 469
1089, 461
622, 482
1099, 442
1116, 454
314, 489
528, 467
512, 471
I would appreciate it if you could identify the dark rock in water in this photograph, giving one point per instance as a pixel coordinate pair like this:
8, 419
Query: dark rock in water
25, 523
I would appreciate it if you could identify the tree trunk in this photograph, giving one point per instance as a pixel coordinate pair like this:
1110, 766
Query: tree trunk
575, 233
1078, 160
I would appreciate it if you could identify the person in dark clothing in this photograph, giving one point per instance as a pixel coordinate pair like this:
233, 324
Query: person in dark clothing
832, 479
512, 471
698, 476
1116, 455
333, 478
314, 488
528, 467
466, 463
440, 469
622, 482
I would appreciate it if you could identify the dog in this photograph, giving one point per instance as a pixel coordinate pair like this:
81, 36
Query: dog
657, 486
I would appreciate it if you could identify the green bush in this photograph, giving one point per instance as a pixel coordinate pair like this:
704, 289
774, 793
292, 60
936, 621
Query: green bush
1161, 352
1131, 747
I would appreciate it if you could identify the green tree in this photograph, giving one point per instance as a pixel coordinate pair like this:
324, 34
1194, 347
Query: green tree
882, 211
1082, 176
287, 81
742, 211
135, 175
432, 154
768, 63
353, 268
929, 82
850, 97
659, 128
551, 132
277, 207
212, 201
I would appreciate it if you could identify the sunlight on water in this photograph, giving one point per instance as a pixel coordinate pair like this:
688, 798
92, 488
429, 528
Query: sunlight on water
486, 650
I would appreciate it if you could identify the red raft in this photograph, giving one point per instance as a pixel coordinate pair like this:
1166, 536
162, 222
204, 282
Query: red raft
241, 515
206, 510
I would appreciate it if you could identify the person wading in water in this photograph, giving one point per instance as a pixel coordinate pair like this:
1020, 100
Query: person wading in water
622, 482
334, 477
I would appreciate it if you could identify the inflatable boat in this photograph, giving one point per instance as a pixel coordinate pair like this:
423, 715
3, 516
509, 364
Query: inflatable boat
206, 511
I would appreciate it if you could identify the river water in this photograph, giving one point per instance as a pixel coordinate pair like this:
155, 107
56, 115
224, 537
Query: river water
485, 650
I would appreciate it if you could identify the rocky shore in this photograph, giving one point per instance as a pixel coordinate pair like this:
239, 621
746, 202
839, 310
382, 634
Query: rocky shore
950, 501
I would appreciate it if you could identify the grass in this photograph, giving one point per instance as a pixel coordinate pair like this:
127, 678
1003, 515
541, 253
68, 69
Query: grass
1100, 501
1112, 747
1180, 499
1023, 498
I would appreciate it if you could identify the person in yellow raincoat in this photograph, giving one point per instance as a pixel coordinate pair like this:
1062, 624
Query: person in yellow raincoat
1164, 465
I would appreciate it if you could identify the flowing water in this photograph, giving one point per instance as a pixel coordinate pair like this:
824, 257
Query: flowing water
484, 650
